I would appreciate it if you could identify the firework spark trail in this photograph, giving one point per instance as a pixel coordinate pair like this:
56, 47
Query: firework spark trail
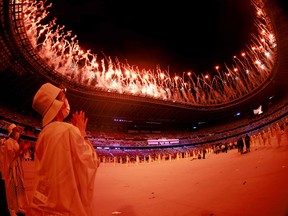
62, 52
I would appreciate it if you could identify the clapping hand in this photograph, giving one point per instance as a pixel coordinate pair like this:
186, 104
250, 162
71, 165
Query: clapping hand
79, 120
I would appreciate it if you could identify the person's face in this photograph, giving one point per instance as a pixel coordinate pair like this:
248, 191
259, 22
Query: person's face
16, 133
65, 110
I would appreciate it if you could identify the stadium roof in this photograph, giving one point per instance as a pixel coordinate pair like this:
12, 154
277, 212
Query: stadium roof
23, 71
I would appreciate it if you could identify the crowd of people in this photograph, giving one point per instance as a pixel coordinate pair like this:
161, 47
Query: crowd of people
66, 162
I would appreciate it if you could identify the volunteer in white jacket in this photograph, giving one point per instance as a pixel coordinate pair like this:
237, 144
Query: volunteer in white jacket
65, 161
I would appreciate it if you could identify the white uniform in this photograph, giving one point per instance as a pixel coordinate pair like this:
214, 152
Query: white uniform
14, 178
65, 171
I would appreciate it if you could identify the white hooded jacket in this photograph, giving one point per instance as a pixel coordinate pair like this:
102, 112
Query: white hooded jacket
65, 171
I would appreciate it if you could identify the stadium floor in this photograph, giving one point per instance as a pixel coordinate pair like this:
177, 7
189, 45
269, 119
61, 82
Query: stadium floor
255, 183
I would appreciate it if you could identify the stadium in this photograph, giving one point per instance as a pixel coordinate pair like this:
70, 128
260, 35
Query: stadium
139, 115
195, 105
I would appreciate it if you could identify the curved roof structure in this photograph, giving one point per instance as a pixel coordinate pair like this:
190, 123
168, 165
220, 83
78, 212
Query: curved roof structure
23, 70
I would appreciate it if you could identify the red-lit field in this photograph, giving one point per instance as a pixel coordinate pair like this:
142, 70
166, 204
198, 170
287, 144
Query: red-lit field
251, 184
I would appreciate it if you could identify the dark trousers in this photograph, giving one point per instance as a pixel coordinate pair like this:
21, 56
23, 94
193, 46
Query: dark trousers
3, 201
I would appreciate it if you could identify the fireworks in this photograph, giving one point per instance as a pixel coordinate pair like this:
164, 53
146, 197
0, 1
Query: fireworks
61, 51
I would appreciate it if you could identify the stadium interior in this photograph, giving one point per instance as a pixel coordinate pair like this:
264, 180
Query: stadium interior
115, 115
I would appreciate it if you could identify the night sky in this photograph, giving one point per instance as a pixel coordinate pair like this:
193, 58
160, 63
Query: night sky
177, 36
